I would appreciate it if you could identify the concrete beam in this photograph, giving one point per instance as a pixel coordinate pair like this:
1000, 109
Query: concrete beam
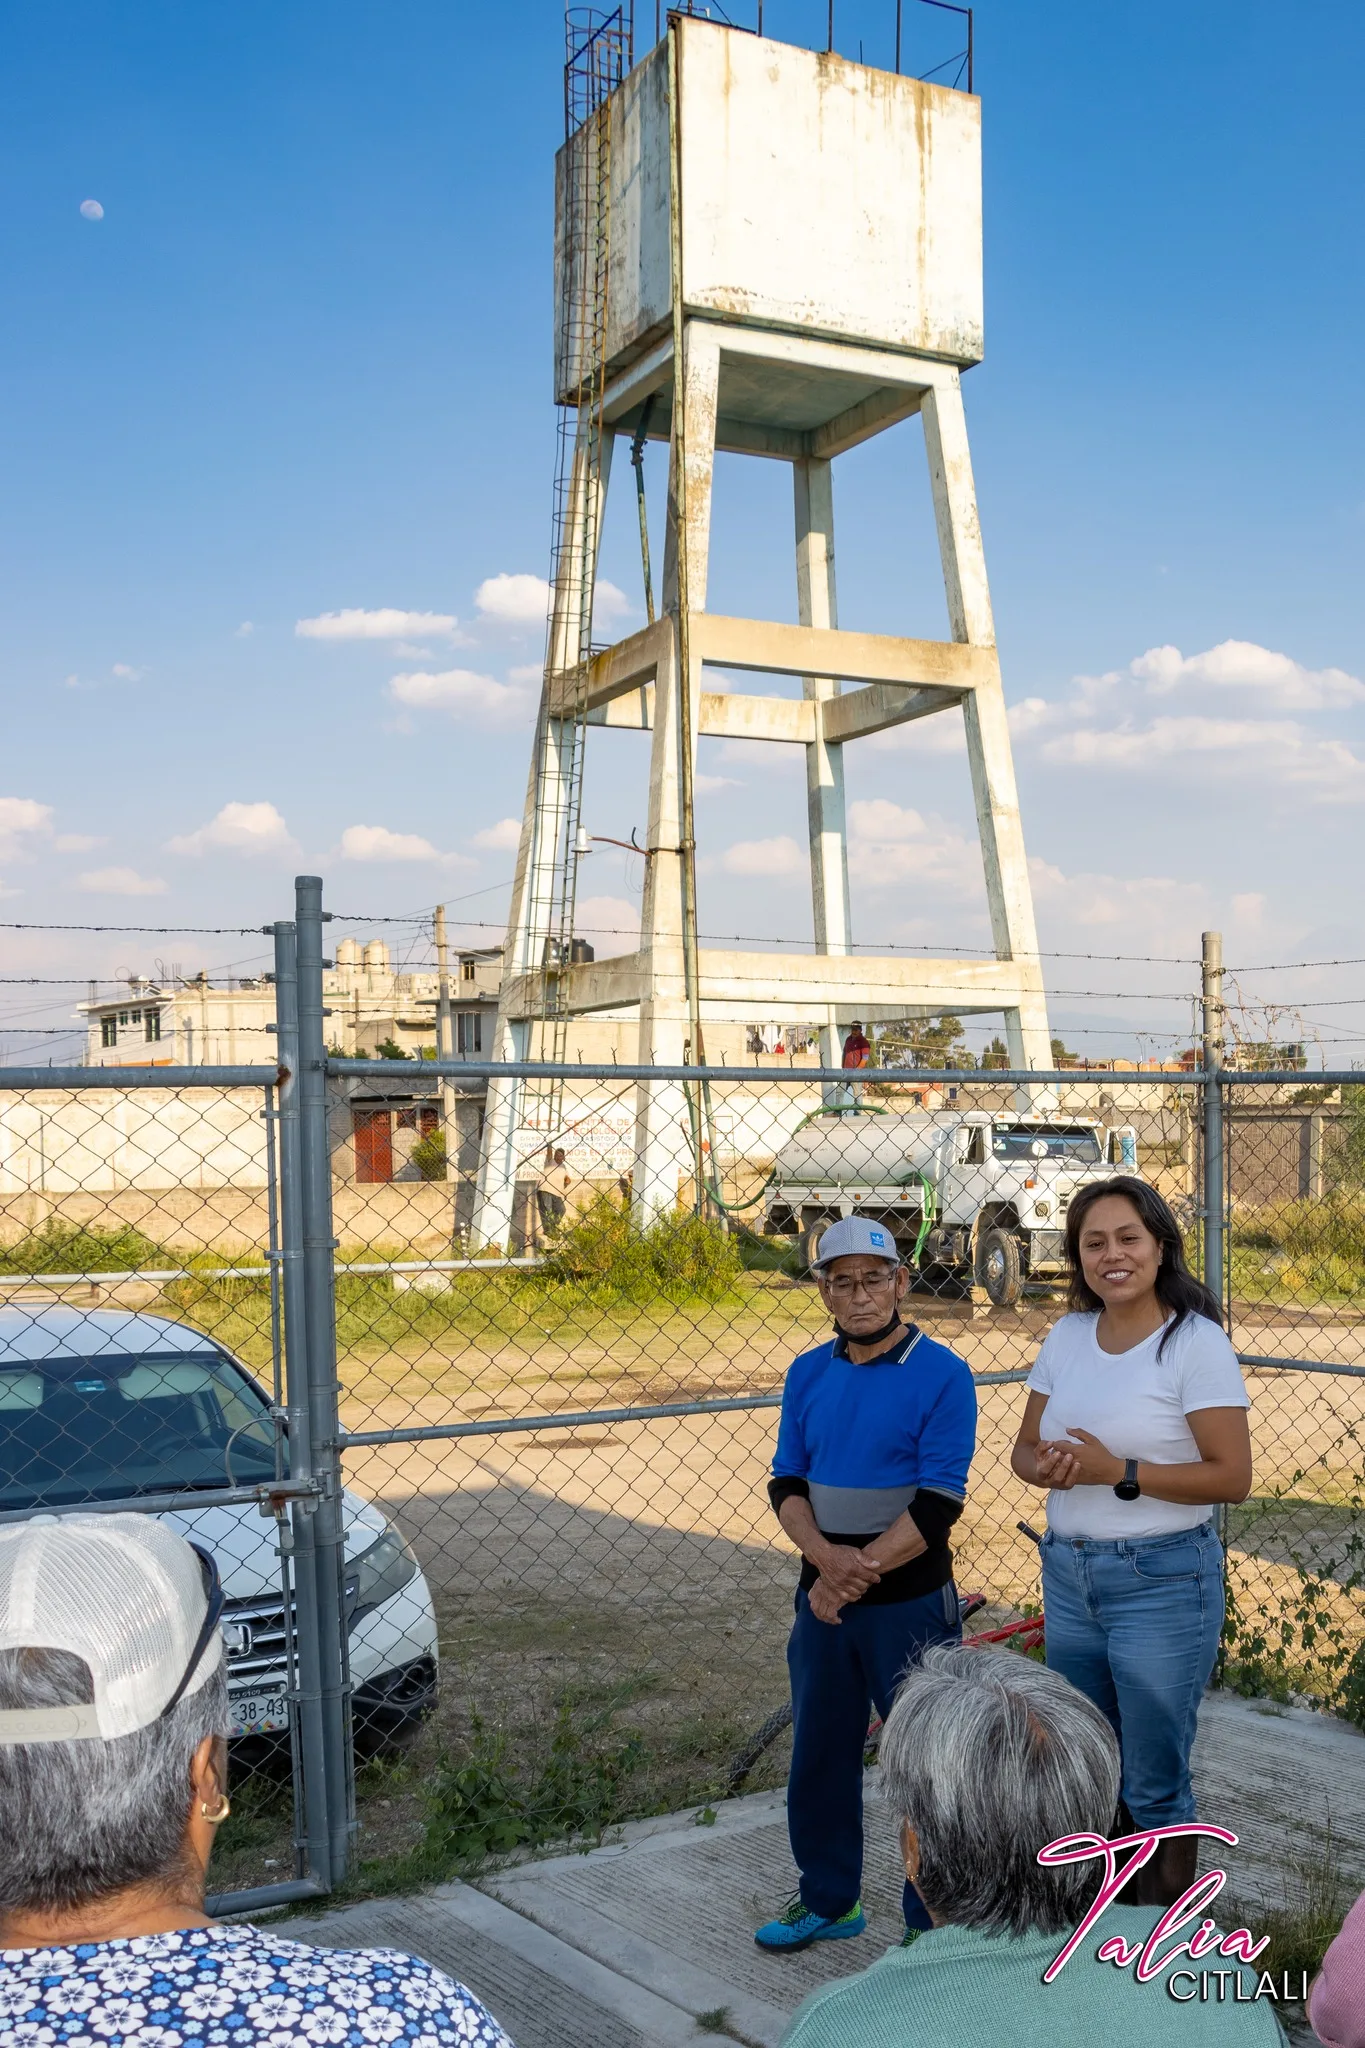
860, 712
744, 987
768, 648
860, 422
626, 666
722, 715
919, 373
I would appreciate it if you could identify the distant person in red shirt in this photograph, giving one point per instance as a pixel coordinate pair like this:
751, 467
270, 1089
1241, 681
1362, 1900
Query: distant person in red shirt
857, 1048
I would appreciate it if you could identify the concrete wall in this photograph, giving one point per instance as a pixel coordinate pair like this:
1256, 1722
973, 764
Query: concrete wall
818, 195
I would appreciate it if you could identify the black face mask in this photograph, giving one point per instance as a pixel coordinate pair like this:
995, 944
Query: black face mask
869, 1336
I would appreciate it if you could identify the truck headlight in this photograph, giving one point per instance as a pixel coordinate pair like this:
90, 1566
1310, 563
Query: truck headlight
1042, 1208
377, 1574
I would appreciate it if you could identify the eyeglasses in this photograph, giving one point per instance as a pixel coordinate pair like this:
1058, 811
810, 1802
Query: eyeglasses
844, 1288
213, 1614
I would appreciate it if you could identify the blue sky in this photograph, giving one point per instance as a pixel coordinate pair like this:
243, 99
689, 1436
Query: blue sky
300, 367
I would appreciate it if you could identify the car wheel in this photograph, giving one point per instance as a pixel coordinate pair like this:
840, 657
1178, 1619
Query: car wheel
999, 1268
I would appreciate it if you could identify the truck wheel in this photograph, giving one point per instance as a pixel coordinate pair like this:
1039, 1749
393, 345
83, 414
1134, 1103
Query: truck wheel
999, 1268
810, 1241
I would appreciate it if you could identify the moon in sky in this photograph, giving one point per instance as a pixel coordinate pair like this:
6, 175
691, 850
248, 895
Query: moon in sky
91, 210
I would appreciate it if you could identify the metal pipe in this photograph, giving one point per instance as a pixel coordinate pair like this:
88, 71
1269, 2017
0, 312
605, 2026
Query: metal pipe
222, 1905
312, 1841
1215, 1164
188, 1500
898, 37
830, 44
637, 463
320, 1337
1350, 1372
529, 1425
782, 1077
136, 1077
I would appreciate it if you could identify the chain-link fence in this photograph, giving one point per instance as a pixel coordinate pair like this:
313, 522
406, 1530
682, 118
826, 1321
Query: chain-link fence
469, 1376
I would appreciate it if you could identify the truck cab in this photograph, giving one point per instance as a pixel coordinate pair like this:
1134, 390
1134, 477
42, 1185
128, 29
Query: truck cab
978, 1198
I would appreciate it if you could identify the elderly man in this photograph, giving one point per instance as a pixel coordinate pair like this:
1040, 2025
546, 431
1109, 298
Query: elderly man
877, 1433
987, 1758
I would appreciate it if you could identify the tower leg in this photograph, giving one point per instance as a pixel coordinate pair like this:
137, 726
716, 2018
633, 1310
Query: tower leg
542, 851
662, 1123
1008, 891
818, 605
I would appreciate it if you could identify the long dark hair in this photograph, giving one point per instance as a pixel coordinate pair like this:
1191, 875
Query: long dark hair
1176, 1287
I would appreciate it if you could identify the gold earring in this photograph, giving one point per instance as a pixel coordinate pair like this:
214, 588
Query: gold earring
220, 1812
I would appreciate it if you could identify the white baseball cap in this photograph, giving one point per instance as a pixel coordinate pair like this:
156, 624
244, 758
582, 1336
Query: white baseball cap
137, 1602
855, 1236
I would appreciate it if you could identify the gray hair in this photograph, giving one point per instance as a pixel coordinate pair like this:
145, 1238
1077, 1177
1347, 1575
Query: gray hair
989, 1756
82, 1820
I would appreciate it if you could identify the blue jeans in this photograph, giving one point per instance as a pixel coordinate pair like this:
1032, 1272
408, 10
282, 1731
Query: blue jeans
1134, 1624
838, 1675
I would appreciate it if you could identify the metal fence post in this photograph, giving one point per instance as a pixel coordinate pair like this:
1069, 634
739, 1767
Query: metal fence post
311, 1829
319, 1292
1215, 1165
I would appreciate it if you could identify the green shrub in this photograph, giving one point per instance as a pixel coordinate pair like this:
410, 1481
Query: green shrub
485, 1805
679, 1257
429, 1155
58, 1247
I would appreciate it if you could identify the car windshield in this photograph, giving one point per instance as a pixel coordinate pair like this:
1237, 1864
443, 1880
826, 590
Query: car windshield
1046, 1141
78, 1429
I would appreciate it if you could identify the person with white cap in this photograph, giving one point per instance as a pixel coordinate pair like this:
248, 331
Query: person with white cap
113, 1780
877, 1434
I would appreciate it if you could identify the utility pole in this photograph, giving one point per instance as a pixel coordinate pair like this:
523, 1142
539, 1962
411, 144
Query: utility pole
1215, 1172
445, 1040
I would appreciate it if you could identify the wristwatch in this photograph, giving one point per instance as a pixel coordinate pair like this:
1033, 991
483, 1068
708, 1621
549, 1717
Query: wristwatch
1127, 1488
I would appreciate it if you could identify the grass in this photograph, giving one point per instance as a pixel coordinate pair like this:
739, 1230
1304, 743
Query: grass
1315, 1896
1301, 1251
59, 1247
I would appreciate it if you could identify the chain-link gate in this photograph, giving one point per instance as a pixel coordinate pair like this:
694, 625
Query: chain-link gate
479, 1433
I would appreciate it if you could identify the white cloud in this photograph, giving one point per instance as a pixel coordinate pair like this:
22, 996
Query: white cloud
1242, 665
521, 599
126, 674
1271, 750
515, 600
462, 692
75, 842
610, 922
1142, 909
504, 837
378, 843
890, 846
385, 624
90, 209
237, 828
527, 675
244, 631
22, 820
710, 785
774, 858
121, 882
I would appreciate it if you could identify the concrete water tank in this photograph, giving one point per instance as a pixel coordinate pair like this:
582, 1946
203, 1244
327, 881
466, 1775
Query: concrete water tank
817, 194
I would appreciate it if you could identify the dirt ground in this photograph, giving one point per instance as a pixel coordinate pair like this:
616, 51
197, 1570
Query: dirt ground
632, 1572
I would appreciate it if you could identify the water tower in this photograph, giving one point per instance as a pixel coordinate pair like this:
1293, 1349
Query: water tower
777, 252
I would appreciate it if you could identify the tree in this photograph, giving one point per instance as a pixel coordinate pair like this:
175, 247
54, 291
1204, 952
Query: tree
1060, 1056
997, 1054
924, 1042
389, 1049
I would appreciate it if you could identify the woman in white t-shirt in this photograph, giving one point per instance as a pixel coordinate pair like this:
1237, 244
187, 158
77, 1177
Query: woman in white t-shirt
1136, 1424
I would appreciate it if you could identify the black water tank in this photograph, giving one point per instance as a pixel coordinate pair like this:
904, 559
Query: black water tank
580, 953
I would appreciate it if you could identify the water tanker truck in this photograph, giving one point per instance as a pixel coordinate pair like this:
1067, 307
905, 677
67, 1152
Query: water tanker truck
973, 1196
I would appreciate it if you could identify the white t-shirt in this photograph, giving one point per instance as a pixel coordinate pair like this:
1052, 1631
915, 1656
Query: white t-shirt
1136, 1405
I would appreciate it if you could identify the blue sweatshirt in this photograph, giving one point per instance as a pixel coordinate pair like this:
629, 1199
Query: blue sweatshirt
865, 1442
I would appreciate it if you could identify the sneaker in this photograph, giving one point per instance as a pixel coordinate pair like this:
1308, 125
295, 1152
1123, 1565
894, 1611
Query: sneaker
797, 1927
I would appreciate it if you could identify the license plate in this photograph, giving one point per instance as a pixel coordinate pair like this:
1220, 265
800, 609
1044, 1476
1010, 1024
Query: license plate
258, 1713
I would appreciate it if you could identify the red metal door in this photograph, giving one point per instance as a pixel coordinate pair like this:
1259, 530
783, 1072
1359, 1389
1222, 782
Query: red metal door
373, 1144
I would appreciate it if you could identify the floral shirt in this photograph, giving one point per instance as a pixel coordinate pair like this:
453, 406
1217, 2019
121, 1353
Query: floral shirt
233, 1987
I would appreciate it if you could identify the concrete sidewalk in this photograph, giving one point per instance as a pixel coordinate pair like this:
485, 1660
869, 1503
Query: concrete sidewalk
648, 1941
